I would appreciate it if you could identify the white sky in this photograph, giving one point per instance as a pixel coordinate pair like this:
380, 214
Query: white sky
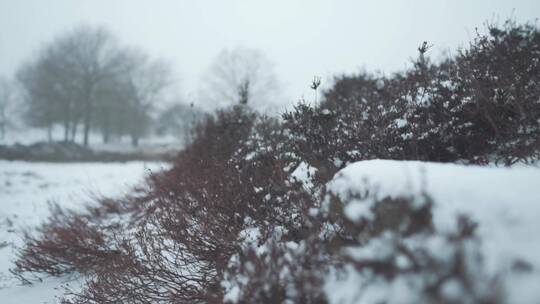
303, 38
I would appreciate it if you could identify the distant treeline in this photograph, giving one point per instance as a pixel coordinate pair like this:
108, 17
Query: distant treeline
85, 81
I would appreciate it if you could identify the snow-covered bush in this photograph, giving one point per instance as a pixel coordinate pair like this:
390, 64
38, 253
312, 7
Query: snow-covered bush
481, 105
404, 232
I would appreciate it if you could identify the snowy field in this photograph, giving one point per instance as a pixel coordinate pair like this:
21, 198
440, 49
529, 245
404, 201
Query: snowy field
26, 189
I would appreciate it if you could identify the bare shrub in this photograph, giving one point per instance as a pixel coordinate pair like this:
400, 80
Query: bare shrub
68, 242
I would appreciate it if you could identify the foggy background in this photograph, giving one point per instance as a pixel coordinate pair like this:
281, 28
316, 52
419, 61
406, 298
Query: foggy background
280, 151
302, 38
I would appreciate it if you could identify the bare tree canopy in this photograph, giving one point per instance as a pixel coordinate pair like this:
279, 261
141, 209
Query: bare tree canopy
240, 76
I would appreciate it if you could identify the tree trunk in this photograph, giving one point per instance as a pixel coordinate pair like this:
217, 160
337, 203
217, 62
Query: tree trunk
106, 136
88, 111
87, 121
66, 131
135, 140
2, 130
67, 120
74, 126
106, 128
49, 133
2, 123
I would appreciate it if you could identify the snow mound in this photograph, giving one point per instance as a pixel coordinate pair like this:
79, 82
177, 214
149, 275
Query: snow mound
504, 202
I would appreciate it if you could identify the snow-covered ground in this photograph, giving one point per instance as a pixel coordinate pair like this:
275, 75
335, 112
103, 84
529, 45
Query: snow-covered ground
504, 202
25, 191
28, 136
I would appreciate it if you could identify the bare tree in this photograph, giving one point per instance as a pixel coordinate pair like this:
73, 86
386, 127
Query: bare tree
141, 87
62, 84
80, 75
241, 75
96, 59
6, 104
40, 94
110, 110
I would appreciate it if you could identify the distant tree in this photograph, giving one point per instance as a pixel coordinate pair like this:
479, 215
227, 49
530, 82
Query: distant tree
240, 76
40, 94
61, 85
111, 117
96, 59
141, 87
179, 120
6, 104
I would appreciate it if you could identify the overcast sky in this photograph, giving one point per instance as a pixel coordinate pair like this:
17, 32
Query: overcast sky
302, 38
